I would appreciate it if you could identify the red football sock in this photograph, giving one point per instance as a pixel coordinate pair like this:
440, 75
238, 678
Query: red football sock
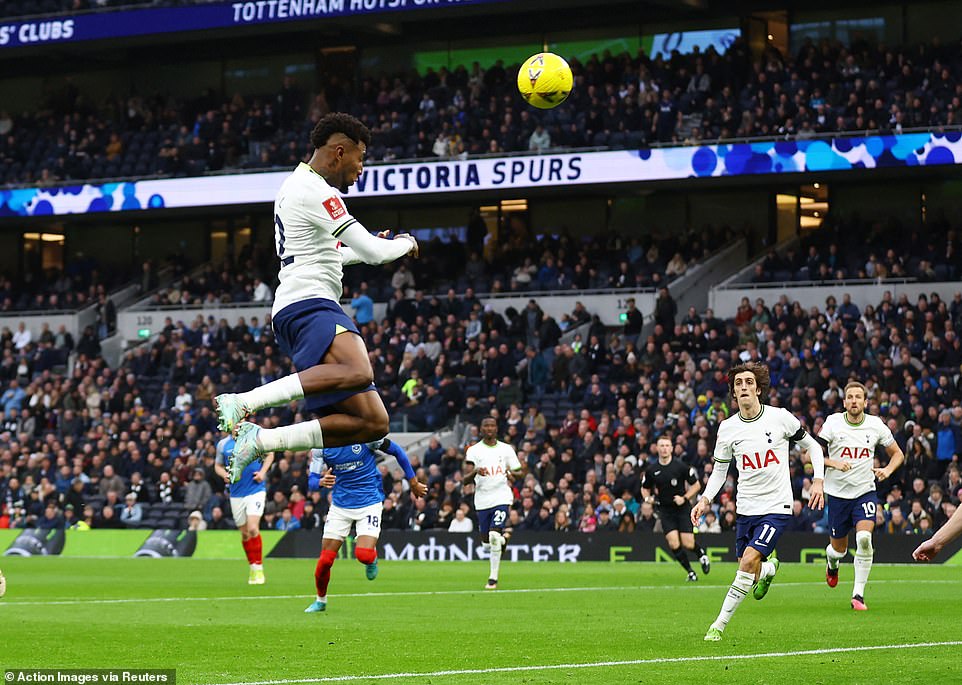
257, 546
322, 572
365, 555
249, 549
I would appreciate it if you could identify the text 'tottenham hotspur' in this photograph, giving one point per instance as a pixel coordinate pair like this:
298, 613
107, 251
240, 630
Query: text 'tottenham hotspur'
261, 10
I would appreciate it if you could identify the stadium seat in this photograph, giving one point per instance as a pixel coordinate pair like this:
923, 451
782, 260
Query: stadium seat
171, 523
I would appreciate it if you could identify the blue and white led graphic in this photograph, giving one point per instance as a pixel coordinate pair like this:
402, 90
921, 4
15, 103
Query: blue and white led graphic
509, 173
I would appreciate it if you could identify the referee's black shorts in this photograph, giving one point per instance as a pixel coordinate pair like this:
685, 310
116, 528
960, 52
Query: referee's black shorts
675, 518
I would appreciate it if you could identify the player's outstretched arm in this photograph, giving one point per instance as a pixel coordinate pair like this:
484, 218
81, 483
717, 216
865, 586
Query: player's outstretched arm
372, 249
929, 549
349, 256
395, 450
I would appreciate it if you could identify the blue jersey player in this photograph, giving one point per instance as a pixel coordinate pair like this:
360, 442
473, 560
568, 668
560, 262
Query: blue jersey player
756, 440
357, 500
247, 497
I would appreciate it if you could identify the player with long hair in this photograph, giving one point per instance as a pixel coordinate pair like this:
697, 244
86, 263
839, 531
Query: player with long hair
756, 439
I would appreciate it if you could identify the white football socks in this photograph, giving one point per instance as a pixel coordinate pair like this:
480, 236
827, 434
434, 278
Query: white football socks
299, 436
834, 556
273, 394
497, 544
863, 561
767, 570
740, 587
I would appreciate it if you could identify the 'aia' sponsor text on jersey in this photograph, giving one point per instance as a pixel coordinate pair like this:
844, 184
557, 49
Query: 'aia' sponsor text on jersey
758, 460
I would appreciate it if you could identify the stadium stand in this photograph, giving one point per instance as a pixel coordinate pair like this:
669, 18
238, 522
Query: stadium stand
584, 415
859, 249
583, 410
551, 264
620, 101
79, 285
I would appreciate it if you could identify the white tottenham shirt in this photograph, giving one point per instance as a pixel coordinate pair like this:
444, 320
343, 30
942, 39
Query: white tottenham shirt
759, 450
310, 220
854, 444
492, 464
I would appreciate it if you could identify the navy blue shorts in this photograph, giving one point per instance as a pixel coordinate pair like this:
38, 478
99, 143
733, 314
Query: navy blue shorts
844, 513
761, 532
492, 519
305, 331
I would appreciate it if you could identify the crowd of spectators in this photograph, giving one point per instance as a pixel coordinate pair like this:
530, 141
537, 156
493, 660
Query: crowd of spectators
583, 416
519, 264
870, 250
81, 283
618, 101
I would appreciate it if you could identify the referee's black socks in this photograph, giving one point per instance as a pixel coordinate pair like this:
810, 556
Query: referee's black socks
681, 554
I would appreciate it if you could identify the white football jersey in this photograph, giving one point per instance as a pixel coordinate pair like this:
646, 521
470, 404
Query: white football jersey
854, 444
309, 215
759, 450
492, 464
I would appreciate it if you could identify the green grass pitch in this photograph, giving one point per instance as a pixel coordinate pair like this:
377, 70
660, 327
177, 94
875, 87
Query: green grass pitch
432, 623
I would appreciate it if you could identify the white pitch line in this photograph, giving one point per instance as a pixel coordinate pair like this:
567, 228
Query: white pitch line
600, 664
426, 593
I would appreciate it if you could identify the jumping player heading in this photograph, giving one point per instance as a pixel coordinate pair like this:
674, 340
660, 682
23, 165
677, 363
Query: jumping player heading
315, 236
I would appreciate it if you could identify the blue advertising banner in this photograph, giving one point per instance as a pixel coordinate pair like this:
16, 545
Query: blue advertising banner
508, 173
123, 24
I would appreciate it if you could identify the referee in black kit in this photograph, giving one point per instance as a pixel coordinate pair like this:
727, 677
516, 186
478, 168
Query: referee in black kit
672, 484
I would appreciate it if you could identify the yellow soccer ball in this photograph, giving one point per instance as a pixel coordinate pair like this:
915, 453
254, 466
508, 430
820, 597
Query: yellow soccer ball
545, 80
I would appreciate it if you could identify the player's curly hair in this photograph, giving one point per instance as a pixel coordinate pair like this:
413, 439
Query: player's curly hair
763, 379
338, 122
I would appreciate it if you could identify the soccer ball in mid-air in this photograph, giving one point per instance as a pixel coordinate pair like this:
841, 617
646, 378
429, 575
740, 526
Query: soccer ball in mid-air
3, 585
545, 80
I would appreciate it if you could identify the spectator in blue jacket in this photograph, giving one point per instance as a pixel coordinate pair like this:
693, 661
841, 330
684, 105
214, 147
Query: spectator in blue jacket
12, 398
947, 442
363, 306
133, 512
287, 521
